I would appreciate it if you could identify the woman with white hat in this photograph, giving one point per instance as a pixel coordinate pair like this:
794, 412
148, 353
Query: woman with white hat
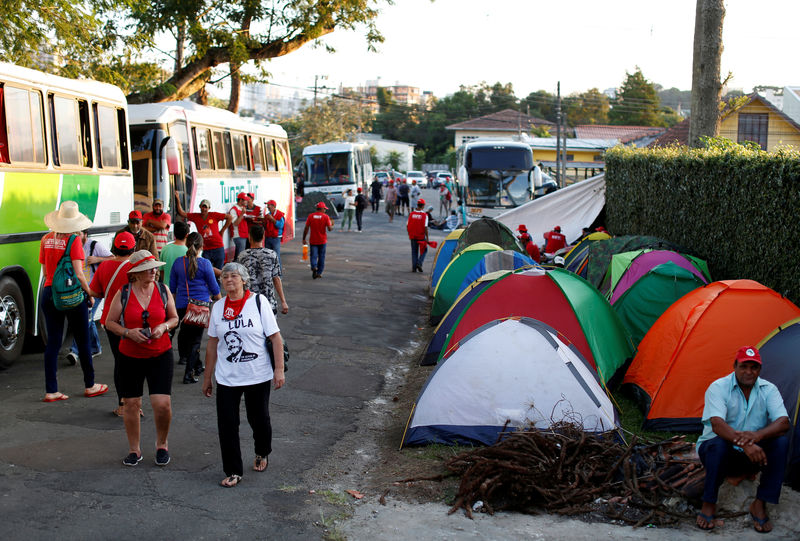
142, 314
65, 223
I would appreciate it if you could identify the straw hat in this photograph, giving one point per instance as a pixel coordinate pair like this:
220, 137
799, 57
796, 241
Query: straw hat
144, 260
67, 219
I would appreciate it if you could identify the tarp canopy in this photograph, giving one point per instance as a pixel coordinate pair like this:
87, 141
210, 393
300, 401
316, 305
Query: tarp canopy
573, 208
575, 260
508, 374
628, 267
309, 205
443, 255
489, 230
780, 355
601, 251
649, 297
694, 343
495, 261
449, 284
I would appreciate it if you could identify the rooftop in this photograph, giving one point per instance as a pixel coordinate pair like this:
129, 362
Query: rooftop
625, 134
506, 120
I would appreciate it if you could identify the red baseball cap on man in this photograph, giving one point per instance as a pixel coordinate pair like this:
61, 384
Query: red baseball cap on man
420, 202
243, 195
124, 241
557, 229
251, 195
748, 353
359, 190
271, 202
322, 206
135, 215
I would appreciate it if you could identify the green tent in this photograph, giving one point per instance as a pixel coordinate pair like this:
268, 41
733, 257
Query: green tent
650, 296
621, 262
447, 289
489, 230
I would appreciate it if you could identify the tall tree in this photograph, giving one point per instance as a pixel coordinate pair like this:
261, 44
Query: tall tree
334, 119
540, 104
636, 103
706, 84
590, 107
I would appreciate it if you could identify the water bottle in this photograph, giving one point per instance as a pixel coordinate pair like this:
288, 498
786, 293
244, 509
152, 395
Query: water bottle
305, 252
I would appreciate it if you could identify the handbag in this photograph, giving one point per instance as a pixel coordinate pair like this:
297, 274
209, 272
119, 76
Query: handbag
198, 313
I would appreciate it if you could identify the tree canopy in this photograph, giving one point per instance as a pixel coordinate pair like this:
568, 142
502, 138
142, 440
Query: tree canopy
637, 103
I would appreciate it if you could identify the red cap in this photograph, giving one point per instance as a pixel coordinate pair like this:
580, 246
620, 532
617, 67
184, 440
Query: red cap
135, 215
557, 228
525, 237
420, 202
522, 228
242, 195
272, 202
748, 353
359, 190
251, 195
322, 205
124, 241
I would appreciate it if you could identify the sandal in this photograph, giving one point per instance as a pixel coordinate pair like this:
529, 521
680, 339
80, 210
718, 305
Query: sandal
760, 523
711, 522
95, 390
54, 397
231, 481
260, 463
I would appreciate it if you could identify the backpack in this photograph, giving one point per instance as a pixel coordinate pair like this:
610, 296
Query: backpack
65, 286
269, 344
125, 296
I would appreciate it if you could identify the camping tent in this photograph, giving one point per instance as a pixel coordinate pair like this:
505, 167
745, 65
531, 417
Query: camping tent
495, 261
489, 230
575, 260
601, 251
515, 371
627, 267
694, 342
449, 284
646, 299
443, 255
780, 355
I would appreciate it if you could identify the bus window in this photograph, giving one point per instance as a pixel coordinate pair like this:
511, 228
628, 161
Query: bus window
3, 129
240, 152
269, 147
107, 138
122, 130
282, 155
183, 182
65, 131
24, 126
223, 156
85, 133
257, 150
202, 147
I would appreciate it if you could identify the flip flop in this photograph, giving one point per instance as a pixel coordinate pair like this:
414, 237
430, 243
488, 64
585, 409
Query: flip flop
260, 463
231, 481
761, 522
103, 389
710, 519
61, 396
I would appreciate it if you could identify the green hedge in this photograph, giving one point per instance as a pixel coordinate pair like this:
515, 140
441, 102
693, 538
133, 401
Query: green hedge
733, 205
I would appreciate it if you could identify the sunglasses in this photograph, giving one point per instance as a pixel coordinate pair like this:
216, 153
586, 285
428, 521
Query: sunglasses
145, 323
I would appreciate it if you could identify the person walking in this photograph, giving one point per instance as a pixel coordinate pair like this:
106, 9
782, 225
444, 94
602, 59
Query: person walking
157, 222
414, 194
444, 200
237, 223
174, 250
237, 355
318, 223
265, 272
391, 200
349, 209
144, 238
376, 192
142, 320
207, 224
402, 196
417, 227
192, 277
64, 225
274, 222
361, 204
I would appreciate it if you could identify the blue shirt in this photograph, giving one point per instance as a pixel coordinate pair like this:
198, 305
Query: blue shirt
201, 288
725, 399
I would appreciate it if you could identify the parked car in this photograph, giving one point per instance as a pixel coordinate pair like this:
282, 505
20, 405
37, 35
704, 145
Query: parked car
443, 177
383, 177
419, 176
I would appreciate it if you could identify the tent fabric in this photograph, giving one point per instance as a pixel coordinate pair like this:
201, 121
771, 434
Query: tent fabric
309, 205
575, 260
694, 343
626, 270
780, 355
573, 208
489, 230
536, 379
495, 261
449, 284
601, 252
650, 296
443, 255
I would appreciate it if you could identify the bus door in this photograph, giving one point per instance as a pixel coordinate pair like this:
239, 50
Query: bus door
184, 180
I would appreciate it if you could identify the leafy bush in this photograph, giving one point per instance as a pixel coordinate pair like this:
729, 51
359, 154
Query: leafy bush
734, 205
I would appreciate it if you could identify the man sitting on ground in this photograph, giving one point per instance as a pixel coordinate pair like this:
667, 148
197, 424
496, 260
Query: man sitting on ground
744, 427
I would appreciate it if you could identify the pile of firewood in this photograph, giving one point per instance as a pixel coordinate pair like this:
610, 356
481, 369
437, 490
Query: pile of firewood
565, 470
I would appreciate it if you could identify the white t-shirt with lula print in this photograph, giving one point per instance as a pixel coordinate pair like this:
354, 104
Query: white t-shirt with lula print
242, 357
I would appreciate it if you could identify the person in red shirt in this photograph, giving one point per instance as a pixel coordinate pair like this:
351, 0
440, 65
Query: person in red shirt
530, 247
207, 224
65, 223
157, 222
238, 224
274, 222
318, 223
417, 227
555, 240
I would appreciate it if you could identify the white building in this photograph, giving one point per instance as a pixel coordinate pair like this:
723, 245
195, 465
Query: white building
791, 102
385, 146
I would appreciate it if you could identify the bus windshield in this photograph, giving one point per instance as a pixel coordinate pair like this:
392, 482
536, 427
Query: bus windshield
326, 169
498, 188
500, 159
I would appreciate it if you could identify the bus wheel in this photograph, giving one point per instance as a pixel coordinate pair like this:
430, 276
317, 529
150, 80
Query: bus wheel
12, 322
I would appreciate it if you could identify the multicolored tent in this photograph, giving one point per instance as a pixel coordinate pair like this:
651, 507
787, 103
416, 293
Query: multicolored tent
495, 261
507, 375
626, 268
489, 230
449, 284
443, 255
601, 251
694, 342
575, 260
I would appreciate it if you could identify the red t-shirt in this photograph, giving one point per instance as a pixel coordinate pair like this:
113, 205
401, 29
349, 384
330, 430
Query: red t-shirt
417, 225
133, 320
100, 282
533, 251
51, 249
555, 241
209, 228
160, 234
318, 223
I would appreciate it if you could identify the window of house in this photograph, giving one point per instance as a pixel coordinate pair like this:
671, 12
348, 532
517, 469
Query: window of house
24, 130
753, 127
597, 158
570, 157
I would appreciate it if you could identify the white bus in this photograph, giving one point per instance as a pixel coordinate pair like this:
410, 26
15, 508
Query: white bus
494, 175
60, 140
333, 168
208, 153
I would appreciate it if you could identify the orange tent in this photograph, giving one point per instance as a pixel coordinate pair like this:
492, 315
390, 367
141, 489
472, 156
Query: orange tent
694, 342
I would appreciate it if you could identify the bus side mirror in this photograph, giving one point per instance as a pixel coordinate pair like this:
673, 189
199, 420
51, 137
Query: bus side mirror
172, 157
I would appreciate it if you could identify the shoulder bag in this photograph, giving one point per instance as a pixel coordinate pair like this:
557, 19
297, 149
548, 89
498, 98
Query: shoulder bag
198, 313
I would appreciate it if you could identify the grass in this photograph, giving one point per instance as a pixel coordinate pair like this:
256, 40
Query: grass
436, 451
331, 533
334, 498
288, 488
631, 418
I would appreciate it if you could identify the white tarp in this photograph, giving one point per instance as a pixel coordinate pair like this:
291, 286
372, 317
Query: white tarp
573, 208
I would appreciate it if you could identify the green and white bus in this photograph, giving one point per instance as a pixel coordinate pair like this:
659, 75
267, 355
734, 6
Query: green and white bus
60, 140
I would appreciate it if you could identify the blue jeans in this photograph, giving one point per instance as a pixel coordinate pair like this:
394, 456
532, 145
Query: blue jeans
720, 460
240, 244
77, 318
318, 257
274, 244
416, 257
94, 340
216, 256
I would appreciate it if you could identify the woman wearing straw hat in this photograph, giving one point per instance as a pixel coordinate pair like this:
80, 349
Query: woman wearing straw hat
63, 224
142, 320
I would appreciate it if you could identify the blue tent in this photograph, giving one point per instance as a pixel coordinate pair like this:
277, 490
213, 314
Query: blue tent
443, 256
495, 261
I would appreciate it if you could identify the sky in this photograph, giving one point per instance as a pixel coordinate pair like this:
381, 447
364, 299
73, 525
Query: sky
534, 44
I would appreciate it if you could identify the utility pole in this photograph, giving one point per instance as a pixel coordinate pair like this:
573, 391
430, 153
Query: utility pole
563, 173
558, 136
316, 78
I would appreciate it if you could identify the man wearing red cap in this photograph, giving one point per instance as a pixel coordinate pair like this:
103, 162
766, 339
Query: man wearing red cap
744, 431
319, 223
528, 244
417, 227
274, 222
555, 240
238, 224
144, 238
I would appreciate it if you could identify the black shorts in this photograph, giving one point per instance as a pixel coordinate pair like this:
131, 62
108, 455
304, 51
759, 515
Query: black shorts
156, 370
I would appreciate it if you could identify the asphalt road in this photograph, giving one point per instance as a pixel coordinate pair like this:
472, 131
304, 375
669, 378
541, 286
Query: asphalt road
60, 464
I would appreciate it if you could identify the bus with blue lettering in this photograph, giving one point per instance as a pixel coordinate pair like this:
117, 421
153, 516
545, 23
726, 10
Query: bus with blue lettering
208, 153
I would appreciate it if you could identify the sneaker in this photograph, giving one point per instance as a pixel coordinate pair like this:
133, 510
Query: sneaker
132, 459
72, 359
162, 457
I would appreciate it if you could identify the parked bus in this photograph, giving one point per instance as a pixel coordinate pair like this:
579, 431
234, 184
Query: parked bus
60, 140
333, 168
208, 153
494, 175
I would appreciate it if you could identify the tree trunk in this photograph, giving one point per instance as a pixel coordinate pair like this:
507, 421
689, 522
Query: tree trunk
179, 41
706, 85
202, 95
236, 86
